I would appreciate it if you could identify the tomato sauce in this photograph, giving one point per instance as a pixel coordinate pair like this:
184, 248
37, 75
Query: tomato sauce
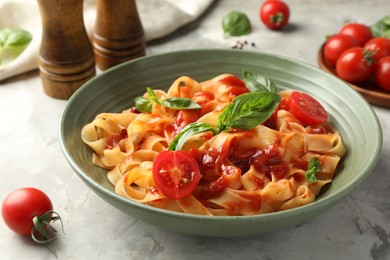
214, 189
254, 200
271, 122
184, 118
316, 130
235, 85
269, 162
114, 140
214, 165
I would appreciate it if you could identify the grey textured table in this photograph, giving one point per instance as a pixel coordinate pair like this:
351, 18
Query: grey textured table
356, 228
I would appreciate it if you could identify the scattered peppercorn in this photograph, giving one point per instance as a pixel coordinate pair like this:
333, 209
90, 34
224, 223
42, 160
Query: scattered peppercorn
240, 45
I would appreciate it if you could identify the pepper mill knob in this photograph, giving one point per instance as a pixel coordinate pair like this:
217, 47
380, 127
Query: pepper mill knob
66, 54
118, 33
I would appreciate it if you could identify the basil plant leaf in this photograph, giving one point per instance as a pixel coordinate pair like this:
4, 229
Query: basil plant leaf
12, 43
313, 167
236, 24
17, 38
179, 103
255, 82
143, 104
382, 27
248, 110
187, 132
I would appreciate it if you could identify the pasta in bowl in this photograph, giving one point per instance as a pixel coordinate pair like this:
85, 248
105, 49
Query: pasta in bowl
245, 169
255, 176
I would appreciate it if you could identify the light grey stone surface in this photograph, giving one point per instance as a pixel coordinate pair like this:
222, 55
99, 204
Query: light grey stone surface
357, 228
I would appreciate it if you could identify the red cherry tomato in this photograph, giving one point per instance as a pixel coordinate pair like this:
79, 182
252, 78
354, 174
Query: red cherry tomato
380, 46
382, 73
21, 206
336, 45
235, 85
274, 14
306, 109
176, 173
361, 32
354, 65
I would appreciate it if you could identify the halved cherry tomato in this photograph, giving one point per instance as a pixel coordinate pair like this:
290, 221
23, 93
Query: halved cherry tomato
306, 108
235, 85
361, 32
336, 45
274, 14
176, 173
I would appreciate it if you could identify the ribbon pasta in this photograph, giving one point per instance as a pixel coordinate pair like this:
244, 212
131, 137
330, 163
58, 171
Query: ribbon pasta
262, 170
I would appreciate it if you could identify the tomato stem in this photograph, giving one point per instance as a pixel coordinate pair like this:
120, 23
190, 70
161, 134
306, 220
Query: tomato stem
368, 56
43, 224
277, 18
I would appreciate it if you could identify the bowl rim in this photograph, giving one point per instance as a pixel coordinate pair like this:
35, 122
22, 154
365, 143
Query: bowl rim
325, 203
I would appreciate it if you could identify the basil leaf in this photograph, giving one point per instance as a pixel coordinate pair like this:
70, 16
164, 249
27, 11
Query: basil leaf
256, 82
12, 43
179, 103
187, 132
152, 95
143, 104
248, 110
236, 24
313, 167
382, 27
15, 38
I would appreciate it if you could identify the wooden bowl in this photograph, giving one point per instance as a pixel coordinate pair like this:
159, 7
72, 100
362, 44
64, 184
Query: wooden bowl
369, 89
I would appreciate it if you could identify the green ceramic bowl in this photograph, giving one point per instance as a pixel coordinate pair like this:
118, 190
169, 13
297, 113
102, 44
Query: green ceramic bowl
115, 89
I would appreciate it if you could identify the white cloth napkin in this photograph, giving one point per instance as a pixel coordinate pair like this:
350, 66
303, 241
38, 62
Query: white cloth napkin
158, 17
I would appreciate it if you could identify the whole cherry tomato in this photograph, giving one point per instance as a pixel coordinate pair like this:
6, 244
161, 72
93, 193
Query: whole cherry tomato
21, 206
274, 14
355, 65
382, 73
336, 45
361, 32
176, 173
306, 108
380, 47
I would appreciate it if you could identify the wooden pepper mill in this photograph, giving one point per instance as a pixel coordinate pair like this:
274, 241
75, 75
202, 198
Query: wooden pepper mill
66, 54
118, 33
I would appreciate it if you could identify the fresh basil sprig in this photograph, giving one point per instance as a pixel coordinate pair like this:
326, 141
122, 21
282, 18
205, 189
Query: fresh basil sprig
382, 27
12, 43
188, 131
145, 105
312, 169
248, 110
236, 24
245, 111
256, 82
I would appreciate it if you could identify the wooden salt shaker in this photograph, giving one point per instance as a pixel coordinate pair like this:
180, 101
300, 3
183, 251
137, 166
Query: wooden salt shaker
118, 33
66, 54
